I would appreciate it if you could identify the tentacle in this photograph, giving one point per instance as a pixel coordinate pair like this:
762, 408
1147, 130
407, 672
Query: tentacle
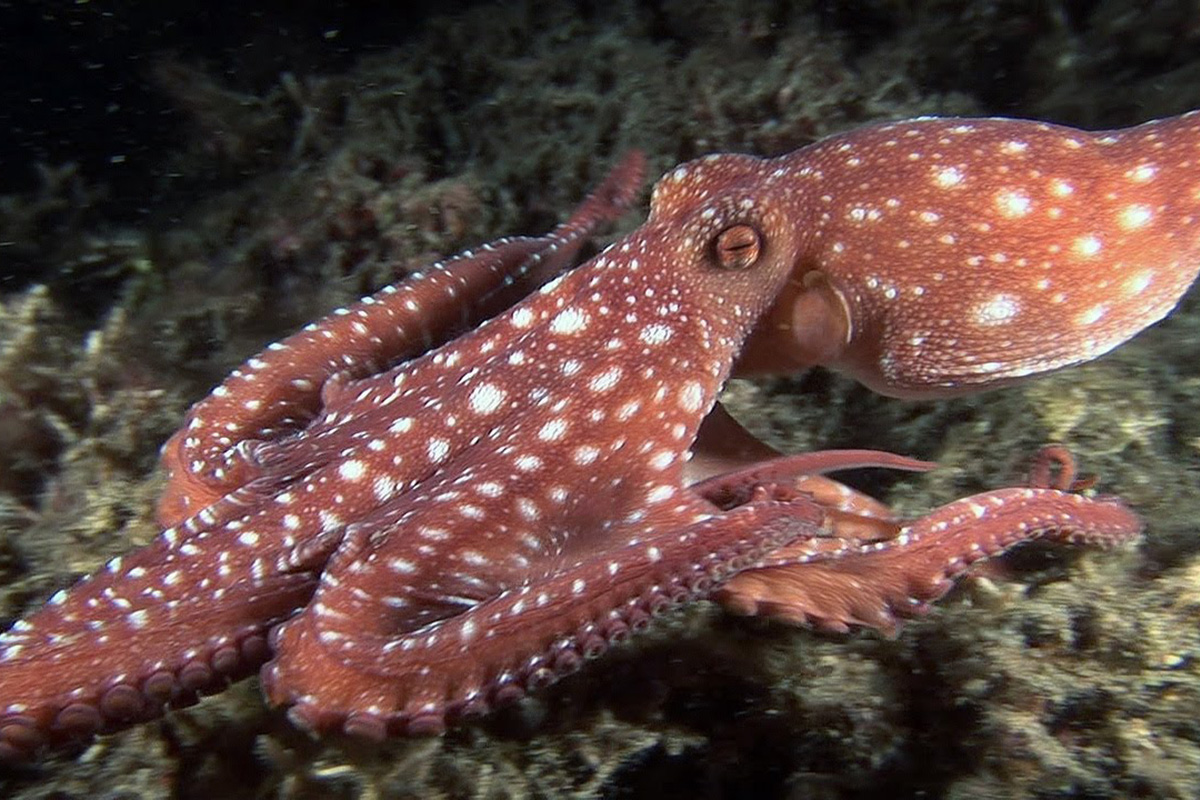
279, 390
722, 446
469, 662
843, 500
731, 488
832, 587
144, 634
1054, 467
853, 527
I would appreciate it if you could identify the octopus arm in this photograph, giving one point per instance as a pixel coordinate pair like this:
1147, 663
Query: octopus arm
835, 583
278, 391
525, 636
146, 633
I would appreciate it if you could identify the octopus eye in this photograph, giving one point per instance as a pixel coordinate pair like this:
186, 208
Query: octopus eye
737, 247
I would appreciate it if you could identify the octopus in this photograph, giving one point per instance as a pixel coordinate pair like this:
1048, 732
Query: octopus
462, 487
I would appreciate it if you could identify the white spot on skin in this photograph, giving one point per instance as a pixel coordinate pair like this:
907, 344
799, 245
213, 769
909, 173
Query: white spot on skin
1013, 203
660, 493
1142, 173
662, 459
472, 511
352, 470
605, 380
490, 489
528, 509
438, 449
585, 454
1060, 188
486, 398
384, 487
522, 317
528, 463
568, 321
1092, 315
401, 425
1087, 246
433, 534
553, 430
691, 396
474, 558
1138, 283
655, 334
947, 177
1135, 216
997, 310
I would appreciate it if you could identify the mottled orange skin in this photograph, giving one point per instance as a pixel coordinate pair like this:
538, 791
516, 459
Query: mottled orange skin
946, 256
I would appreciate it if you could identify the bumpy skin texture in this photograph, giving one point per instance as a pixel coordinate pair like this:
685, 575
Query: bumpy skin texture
950, 255
409, 526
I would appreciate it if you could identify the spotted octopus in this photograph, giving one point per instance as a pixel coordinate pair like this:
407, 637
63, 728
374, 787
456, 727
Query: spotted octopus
458, 489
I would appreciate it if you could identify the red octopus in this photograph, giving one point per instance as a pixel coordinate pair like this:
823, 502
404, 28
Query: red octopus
403, 524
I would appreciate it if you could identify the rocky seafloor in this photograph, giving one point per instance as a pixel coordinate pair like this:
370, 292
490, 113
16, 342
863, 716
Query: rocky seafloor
1059, 674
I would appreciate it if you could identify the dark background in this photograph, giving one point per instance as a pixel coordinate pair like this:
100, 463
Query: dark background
78, 80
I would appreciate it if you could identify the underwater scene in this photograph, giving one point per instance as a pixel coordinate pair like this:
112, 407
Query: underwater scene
600, 400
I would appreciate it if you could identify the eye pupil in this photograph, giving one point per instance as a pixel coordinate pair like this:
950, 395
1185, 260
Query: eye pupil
738, 247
